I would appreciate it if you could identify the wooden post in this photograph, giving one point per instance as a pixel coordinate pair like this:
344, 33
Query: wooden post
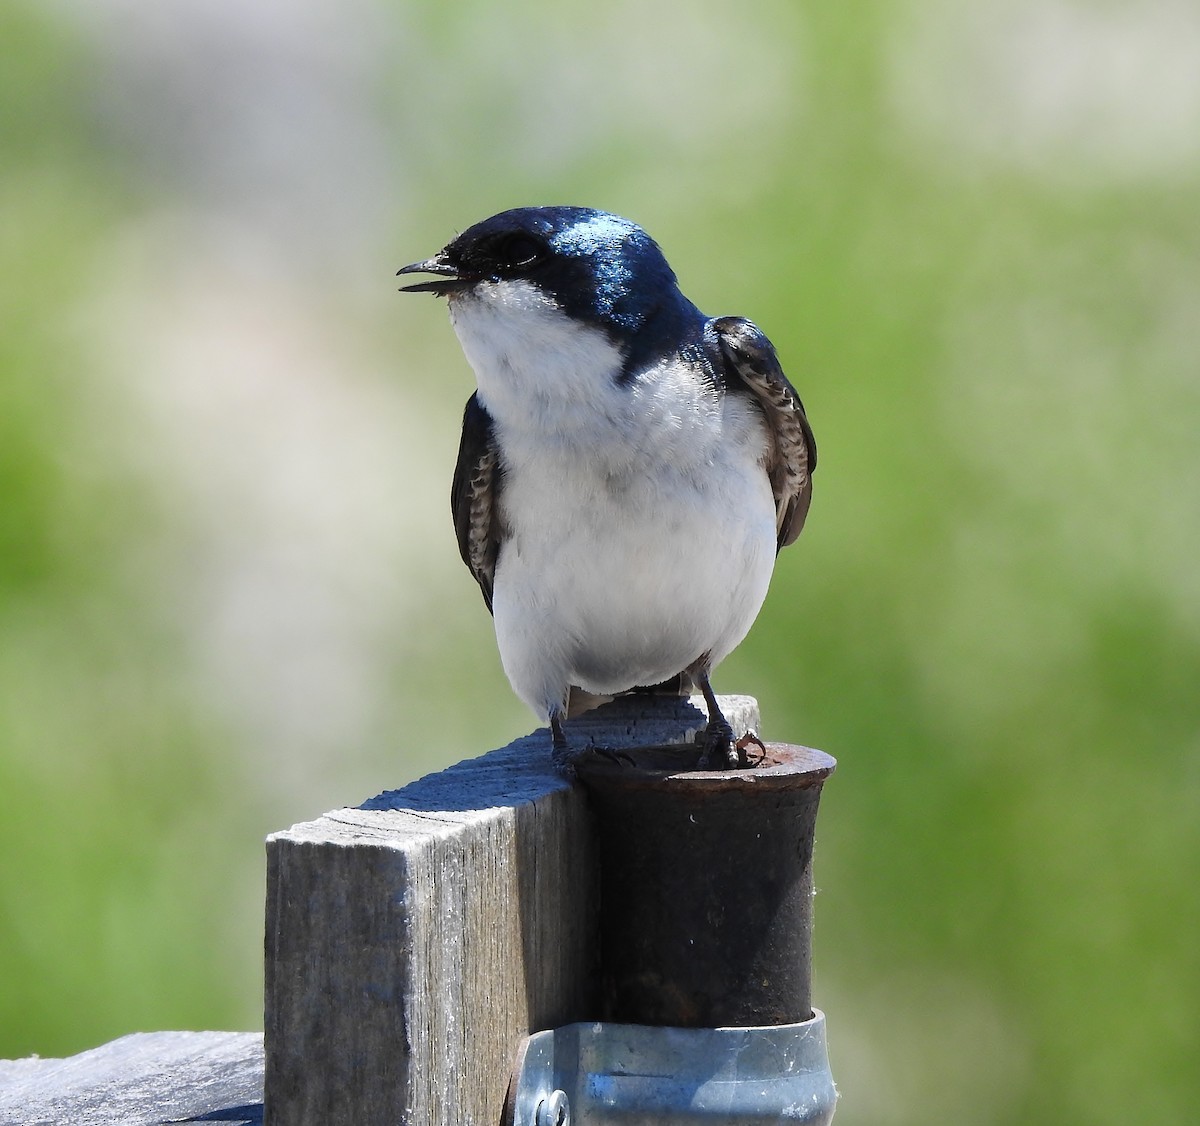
414, 941
143, 1079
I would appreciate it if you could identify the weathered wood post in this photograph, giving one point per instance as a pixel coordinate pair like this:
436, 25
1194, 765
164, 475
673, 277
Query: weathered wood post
442, 944
414, 942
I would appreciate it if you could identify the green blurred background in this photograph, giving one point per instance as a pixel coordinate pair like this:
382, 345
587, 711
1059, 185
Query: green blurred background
230, 597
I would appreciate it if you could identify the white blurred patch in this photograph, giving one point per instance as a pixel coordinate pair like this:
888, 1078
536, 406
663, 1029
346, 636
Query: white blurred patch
311, 117
1069, 92
308, 494
260, 111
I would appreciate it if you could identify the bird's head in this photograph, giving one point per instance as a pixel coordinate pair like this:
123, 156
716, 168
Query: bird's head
596, 268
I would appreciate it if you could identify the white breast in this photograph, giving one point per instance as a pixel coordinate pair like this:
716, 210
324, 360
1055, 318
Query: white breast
641, 522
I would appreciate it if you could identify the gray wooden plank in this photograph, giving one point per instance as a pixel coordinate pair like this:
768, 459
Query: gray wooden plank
413, 941
144, 1079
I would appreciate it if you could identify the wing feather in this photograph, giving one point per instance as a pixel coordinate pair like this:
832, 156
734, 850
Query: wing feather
748, 361
475, 496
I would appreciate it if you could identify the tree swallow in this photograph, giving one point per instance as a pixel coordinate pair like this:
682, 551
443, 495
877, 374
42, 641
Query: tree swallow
628, 469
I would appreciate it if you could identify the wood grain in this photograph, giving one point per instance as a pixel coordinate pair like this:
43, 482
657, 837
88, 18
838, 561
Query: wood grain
144, 1079
414, 941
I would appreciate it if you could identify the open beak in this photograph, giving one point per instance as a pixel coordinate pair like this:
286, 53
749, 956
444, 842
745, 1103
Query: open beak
450, 279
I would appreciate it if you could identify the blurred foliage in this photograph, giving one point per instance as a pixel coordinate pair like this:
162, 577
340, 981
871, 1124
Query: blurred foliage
229, 593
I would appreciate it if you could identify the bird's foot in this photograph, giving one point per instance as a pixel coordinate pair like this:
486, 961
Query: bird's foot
567, 759
721, 751
718, 750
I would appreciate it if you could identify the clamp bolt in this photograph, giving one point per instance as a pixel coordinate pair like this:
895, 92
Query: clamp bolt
553, 1110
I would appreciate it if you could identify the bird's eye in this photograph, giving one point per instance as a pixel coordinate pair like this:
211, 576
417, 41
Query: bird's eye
516, 249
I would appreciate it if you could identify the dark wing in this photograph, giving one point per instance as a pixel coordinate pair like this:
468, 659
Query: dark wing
748, 360
475, 496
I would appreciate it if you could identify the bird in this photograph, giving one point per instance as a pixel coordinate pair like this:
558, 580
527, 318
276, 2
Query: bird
628, 470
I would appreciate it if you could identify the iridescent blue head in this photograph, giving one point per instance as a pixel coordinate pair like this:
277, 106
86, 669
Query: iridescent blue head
599, 268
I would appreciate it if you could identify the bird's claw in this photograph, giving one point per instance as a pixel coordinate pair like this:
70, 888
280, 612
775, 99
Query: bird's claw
721, 751
717, 747
567, 760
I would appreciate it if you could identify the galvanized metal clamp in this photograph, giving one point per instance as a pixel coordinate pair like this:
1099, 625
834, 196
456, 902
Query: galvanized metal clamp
603, 1074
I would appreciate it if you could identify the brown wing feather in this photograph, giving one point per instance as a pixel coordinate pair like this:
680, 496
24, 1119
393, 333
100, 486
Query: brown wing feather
749, 360
475, 495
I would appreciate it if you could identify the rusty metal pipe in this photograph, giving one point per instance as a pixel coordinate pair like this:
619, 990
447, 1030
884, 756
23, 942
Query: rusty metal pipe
706, 887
